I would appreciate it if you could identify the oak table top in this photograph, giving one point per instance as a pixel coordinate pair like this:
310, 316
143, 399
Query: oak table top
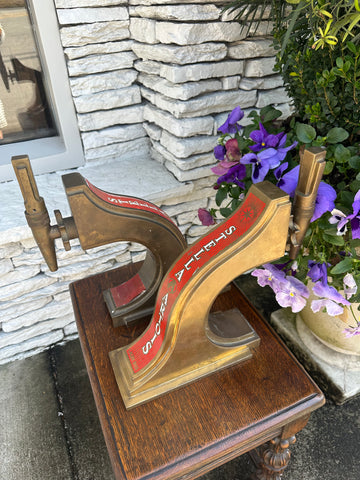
190, 431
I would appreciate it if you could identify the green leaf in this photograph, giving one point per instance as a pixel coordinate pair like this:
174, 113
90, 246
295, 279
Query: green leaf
334, 239
354, 162
339, 62
225, 212
342, 154
305, 133
328, 167
337, 135
342, 267
235, 191
221, 194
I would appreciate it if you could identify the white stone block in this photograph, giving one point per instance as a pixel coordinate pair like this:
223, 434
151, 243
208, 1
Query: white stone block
28, 243
206, 104
29, 347
16, 308
52, 310
70, 329
201, 71
112, 135
264, 83
143, 30
138, 147
183, 13
90, 84
91, 15
18, 336
149, 66
258, 47
196, 33
272, 97
182, 91
185, 147
9, 292
108, 99
185, 127
6, 266
153, 131
170, 2
188, 175
190, 217
108, 118
188, 163
259, 67
28, 257
19, 275
98, 48
86, 3
100, 63
94, 33
181, 208
231, 83
206, 52
198, 230
10, 250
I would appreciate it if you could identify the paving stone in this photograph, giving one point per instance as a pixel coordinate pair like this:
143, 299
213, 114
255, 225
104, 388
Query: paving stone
88, 449
100, 63
108, 99
108, 118
112, 135
31, 434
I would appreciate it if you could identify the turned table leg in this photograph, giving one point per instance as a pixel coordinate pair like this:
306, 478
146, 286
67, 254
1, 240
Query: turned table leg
273, 458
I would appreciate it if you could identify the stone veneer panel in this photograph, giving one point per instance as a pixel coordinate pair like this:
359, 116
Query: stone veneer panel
149, 78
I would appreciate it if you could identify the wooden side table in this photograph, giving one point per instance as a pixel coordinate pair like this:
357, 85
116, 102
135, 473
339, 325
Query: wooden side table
262, 402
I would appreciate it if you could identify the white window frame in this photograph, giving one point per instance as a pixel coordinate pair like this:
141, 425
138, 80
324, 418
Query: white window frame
64, 150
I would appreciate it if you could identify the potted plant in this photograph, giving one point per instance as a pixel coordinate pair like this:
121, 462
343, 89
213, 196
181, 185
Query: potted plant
327, 267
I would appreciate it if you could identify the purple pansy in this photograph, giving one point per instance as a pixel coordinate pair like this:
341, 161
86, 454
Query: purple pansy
325, 199
263, 139
269, 275
293, 293
352, 331
219, 152
354, 218
231, 125
317, 272
261, 163
205, 217
234, 174
330, 299
350, 287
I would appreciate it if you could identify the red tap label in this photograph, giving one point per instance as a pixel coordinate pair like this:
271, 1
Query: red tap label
127, 202
148, 345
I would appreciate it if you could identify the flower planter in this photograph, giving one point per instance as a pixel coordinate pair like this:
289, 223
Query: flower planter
330, 330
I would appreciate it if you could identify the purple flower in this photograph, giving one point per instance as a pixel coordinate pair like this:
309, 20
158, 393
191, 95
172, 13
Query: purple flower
261, 163
293, 294
352, 331
317, 271
234, 174
338, 216
354, 218
280, 170
231, 125
223, 167
269, 275
330, 300
350, 287
205, 217
263, 139
219, 152
325, 200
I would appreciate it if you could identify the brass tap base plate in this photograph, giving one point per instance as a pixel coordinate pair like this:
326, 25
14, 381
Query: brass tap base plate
228, 339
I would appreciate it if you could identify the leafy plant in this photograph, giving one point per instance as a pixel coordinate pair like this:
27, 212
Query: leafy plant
329, 254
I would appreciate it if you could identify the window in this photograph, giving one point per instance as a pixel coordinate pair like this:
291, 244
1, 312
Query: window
37, 116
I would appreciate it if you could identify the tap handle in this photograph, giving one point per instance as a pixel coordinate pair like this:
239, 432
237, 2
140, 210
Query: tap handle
35, 210
312, 164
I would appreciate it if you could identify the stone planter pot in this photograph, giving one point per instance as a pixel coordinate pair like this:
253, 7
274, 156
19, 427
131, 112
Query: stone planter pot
330, 330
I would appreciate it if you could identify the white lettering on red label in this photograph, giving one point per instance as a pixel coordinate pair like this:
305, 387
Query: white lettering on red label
143, 350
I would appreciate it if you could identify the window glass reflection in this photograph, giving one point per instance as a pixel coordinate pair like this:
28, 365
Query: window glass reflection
24, 109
